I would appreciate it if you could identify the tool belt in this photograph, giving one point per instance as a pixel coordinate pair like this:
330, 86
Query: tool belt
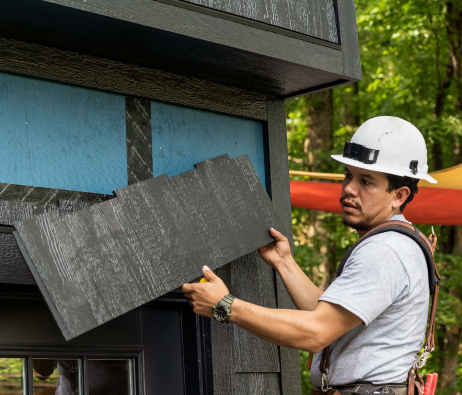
414, 381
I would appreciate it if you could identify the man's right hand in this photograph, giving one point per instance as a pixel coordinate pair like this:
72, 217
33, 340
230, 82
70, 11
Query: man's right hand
278, 252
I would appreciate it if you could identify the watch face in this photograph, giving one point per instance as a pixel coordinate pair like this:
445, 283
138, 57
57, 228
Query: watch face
222, 313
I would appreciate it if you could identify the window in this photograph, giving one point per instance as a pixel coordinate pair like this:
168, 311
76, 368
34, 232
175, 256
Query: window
36, 375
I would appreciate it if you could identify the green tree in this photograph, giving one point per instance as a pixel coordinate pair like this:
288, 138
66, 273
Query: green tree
411, 55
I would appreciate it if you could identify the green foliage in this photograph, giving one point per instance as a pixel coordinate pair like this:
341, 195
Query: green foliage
404, 50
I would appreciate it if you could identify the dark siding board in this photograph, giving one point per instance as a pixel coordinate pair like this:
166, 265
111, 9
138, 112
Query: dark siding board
215, 30
13, 267
257, 384
46, 196
174, 40
253, 281
46, 246
73, 68
139, 139
280, 194
103, 247
152, 238
224, 177
215, 232
165, 233
349, 38
314, 18
223, 346
11, 211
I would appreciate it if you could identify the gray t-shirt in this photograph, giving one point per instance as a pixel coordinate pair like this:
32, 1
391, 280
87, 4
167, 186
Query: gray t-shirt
385, 283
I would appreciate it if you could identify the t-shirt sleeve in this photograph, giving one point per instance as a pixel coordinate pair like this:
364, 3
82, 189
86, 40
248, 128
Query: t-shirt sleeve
372, 279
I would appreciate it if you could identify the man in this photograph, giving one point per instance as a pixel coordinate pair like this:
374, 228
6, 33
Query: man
374, 315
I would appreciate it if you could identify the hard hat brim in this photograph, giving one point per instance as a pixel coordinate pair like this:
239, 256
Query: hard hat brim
383, 169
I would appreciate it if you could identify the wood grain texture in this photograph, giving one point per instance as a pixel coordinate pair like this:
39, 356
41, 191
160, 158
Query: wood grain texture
314, 18
209, 28
257, 384
223, 346
46, 196
13, 267
234, 195
349, 39
139, 139
89, 71
280, 195
155, 236
253, 281
53, 252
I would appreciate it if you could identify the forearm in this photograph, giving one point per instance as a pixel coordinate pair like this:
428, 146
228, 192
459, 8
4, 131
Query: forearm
301, 289
289, 328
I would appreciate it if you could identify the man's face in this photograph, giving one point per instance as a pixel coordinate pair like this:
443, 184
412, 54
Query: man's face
365, 200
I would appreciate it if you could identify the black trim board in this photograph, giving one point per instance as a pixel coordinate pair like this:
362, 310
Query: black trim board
164, 37
250, 22
27, 59
349, 40
280, 195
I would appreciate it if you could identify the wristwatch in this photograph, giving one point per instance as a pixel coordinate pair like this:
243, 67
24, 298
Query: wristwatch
222, 310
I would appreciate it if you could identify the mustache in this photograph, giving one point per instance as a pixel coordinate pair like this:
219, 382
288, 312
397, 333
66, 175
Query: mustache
357, 205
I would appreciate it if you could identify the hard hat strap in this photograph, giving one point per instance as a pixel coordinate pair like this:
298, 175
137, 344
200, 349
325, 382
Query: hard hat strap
360, 153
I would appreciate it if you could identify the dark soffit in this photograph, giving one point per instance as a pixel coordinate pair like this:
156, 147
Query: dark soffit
255, 59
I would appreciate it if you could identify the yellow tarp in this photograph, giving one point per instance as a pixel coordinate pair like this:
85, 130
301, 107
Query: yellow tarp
448, 178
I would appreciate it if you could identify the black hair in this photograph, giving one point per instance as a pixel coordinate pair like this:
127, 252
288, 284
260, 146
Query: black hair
396, 182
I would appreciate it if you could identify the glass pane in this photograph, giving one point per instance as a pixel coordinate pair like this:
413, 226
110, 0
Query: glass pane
56, 376
11, 376
110, 376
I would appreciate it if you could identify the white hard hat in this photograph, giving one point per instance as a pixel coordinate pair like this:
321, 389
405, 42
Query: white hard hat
389, 145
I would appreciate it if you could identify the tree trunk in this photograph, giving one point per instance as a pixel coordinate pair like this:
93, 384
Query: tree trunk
320, 137
449, 361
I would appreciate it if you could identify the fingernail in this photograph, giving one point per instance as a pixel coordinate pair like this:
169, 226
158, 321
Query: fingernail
206, 268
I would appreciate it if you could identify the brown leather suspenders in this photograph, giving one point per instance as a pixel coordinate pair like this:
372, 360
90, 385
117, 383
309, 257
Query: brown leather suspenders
428, 248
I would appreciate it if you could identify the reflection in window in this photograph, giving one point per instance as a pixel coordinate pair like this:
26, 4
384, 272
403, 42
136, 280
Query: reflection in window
110, 377
11, 376
56, 376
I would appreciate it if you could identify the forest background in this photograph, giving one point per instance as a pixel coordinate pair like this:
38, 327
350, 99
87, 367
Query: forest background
411, 57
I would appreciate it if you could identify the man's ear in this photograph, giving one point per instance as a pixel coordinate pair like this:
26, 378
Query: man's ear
401, 194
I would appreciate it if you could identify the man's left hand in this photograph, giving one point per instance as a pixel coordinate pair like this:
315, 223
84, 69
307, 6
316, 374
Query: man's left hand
203, 296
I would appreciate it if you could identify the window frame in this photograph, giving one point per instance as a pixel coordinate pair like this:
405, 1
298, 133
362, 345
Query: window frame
83, 354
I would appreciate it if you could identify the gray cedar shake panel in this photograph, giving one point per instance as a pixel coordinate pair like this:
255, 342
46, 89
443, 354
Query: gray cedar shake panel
224, 177
139, 139
349, 37
215, 232
70, 67
69, 292
13, 267
280, 194
165, 231
257, 384
114, 255
103, 246
312, 17
253, 281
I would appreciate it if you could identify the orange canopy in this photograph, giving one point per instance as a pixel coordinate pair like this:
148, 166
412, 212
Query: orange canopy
434, 204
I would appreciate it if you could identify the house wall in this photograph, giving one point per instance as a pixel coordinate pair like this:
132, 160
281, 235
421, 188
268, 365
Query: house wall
235, 120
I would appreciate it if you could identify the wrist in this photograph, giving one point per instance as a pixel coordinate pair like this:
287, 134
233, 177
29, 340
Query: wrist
285, 264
